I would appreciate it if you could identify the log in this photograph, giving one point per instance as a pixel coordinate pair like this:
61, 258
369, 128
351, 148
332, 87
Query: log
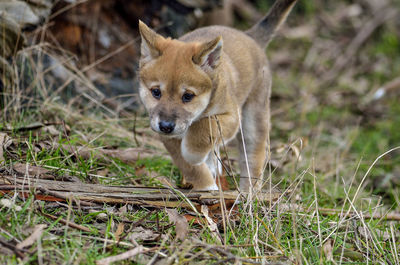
135, 195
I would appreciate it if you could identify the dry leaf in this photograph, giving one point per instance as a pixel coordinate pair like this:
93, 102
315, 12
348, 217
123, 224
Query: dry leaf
181, 224
328, 250
142, 234
211, 224
119, 231
141, 171
30, 240
123, 256
122, 210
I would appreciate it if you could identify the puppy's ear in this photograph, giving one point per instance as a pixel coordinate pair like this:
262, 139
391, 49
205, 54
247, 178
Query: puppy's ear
149, 46
208, 54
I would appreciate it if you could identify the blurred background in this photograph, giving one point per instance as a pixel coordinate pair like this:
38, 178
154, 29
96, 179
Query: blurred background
335, 64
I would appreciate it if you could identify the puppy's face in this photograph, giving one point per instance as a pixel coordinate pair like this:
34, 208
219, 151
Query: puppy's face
174, 93
175, 83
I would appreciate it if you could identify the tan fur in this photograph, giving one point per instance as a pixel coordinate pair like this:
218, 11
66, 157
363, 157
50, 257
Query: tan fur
227, 72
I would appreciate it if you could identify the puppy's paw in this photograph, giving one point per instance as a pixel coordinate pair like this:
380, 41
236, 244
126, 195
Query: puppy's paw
186, 186
193, 158
198, 186
208, 188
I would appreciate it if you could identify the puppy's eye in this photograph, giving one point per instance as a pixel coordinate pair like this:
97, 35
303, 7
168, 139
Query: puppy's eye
187, 97
156, 92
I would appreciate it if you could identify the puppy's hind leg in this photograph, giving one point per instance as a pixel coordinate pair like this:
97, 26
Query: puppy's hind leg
253, 138
252, 148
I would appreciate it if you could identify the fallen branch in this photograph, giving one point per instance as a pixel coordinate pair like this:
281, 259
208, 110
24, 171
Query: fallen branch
87, 194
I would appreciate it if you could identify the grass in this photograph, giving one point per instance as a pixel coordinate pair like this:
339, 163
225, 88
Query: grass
324, 146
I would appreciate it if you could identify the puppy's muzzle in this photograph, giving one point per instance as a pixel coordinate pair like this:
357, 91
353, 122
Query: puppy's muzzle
166, 127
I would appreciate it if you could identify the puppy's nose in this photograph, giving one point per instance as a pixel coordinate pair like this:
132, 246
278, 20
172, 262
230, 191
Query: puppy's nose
166, 126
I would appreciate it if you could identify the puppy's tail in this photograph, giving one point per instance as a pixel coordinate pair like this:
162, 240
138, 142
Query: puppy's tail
264, 30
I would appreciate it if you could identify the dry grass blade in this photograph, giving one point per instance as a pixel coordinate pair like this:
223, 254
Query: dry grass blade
272, 234
368, 171
73, 114
395, 249
30, 240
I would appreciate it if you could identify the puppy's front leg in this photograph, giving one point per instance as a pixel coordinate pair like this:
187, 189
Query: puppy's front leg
198, 177
206, 133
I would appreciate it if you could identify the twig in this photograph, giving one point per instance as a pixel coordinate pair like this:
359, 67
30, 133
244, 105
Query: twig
65, 222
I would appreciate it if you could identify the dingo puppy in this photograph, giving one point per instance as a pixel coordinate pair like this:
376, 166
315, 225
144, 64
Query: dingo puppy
200, 87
